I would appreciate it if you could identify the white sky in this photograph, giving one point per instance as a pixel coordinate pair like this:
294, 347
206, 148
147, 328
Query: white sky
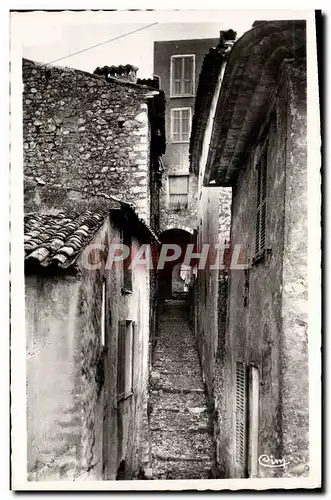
47, 36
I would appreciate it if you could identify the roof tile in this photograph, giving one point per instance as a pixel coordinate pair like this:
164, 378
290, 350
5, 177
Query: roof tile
58, 239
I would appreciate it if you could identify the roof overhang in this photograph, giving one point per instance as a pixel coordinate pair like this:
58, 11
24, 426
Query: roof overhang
250, 77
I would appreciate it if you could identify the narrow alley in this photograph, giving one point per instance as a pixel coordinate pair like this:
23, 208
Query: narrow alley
181, 440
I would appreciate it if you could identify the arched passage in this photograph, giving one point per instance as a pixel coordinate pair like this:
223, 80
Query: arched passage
173, 278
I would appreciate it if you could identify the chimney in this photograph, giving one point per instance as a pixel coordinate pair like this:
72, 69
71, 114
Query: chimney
126, 72
226, 41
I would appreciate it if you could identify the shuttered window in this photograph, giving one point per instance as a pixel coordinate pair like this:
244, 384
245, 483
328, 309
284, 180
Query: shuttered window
180, 124
103, 315
127, 271
241, 415
178, 191
125, 359
182, 76
253, 418
261, 210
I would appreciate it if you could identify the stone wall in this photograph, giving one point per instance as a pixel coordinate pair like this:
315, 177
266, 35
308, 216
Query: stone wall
65, 401
259, 312
54, 380
125, 431
294, 342
214, 227
77, 427
87, 134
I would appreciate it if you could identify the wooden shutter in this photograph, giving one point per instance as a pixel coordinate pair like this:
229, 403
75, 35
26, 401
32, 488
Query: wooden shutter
180, 124
134, 347
185, 124
241, 415
127, 272
121, 359
103, 315
253, 421
177, 72
176, 127
128, 358
261, 209
188, 75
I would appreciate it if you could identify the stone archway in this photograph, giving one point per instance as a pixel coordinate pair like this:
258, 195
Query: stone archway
170, 278
179, 227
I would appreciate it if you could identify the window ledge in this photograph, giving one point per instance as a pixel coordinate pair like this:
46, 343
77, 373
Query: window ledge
261, 257
180, 96
126, 291
180, 142
123, 397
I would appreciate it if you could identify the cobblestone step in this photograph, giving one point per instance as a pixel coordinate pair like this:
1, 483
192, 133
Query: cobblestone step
180, 421
181, 470
179, 390
165, 399
181, 442
188, 445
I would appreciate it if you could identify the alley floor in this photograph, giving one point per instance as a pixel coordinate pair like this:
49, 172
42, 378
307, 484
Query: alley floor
181, 441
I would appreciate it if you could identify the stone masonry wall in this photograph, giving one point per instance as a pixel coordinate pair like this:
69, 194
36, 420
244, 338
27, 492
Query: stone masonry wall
54, 379
86, 134
264, 328
124, 421
65, 397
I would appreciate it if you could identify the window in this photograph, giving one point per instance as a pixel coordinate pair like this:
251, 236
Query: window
125, 359
178, 191
261, 210
182, 75
241, 416
253, 431
247, 419
127, 271
103, 315
180, 124
158, 79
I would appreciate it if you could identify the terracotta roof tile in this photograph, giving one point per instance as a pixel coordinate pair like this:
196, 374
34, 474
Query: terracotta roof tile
58, 239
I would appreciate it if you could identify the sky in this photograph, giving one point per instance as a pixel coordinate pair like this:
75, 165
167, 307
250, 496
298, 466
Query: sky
47, 36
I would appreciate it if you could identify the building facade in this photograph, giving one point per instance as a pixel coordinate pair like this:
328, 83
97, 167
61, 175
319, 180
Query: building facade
258, 149
177, 65
93, 135
88, 345
92, 145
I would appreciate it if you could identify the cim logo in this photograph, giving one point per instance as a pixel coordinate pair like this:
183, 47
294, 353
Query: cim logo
272, 462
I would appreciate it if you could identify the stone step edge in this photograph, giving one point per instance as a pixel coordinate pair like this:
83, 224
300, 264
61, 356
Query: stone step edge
185, 411
174, 458
202, 430
174, 390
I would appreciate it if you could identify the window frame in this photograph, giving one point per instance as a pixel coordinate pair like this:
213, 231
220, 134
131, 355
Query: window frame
188, 190
182, 56
253, 420
125, 327
185, 108
261, 202
159, 79
103, 314
241, 417
127, 270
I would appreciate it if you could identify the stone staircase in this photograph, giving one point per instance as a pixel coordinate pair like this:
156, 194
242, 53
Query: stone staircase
180, 427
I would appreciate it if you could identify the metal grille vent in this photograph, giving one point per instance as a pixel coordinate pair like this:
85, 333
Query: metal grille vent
241, 411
